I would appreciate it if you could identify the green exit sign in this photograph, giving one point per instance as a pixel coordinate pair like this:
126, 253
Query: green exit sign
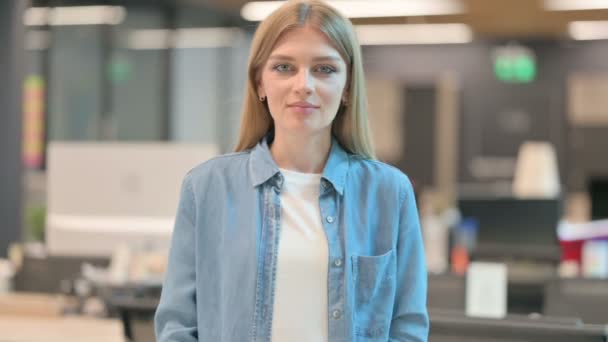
514, 64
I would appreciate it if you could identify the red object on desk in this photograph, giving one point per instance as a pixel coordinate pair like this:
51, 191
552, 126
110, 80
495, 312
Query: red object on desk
572, 237
572, 250
460, 260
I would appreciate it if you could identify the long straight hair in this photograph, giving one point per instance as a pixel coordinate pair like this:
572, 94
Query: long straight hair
350, 126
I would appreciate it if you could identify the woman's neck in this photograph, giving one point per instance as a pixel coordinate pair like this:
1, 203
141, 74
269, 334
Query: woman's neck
307, 154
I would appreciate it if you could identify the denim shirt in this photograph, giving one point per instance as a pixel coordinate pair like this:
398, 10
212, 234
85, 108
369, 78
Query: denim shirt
221, 272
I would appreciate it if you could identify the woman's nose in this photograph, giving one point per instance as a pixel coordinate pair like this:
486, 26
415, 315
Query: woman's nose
304, 83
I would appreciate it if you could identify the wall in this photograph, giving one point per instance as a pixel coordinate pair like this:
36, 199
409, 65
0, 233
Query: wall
496, 117
11, 57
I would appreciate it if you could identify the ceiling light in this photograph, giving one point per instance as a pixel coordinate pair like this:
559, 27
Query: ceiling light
258, 10
74, 15
185, 38
207, 37
414, 34
149, 39
574, 5
588, 30
36, 16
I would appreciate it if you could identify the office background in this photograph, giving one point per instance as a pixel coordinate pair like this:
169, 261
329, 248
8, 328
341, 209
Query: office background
443, 110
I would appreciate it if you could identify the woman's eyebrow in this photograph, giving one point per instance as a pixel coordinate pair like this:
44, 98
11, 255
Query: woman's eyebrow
327, 58
318, 58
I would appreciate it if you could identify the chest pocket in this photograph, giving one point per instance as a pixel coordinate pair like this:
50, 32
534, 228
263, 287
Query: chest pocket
375, 283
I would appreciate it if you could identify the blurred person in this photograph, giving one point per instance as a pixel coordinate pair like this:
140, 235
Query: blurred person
300, 235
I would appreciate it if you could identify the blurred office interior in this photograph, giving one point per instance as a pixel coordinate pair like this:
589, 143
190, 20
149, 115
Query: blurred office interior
496, 110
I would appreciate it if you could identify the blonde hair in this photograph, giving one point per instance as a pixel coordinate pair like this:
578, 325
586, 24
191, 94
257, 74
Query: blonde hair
350, 126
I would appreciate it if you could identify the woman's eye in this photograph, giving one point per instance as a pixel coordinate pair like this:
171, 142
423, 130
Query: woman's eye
282, 67
325, 69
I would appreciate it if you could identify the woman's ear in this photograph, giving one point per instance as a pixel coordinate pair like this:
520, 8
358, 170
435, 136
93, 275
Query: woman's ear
345, 92
345, 97
260, 89
261, 93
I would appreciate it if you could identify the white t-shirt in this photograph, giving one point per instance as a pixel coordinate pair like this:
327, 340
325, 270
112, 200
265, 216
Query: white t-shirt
300, 302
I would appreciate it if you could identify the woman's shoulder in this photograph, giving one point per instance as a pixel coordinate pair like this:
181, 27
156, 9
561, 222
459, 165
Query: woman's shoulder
376, 168
224, 164
365, 169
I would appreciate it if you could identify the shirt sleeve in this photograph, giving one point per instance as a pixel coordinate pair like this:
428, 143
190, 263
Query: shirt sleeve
175, 317
410, 318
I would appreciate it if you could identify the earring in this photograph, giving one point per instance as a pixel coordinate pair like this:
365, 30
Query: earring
262, 98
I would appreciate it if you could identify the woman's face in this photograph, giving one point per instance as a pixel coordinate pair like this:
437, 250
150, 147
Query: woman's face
304, 82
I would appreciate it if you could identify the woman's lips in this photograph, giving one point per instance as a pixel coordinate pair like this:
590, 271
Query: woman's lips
303, 107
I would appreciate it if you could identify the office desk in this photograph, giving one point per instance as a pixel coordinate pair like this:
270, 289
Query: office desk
135, 305
45, 274
60, 329
525, 289
35, 317
31, 304
584, 298
456, 327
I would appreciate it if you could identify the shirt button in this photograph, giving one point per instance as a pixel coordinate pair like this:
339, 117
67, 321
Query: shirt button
336, 314
338, 262
330, 219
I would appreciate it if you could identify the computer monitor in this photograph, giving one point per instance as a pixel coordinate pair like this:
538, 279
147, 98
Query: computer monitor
598, 193
584, 298
100, 195
512, 228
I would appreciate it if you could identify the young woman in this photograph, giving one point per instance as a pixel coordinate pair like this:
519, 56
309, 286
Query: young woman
300, 235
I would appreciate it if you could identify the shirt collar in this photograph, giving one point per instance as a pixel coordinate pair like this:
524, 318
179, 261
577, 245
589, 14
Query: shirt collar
262, 166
